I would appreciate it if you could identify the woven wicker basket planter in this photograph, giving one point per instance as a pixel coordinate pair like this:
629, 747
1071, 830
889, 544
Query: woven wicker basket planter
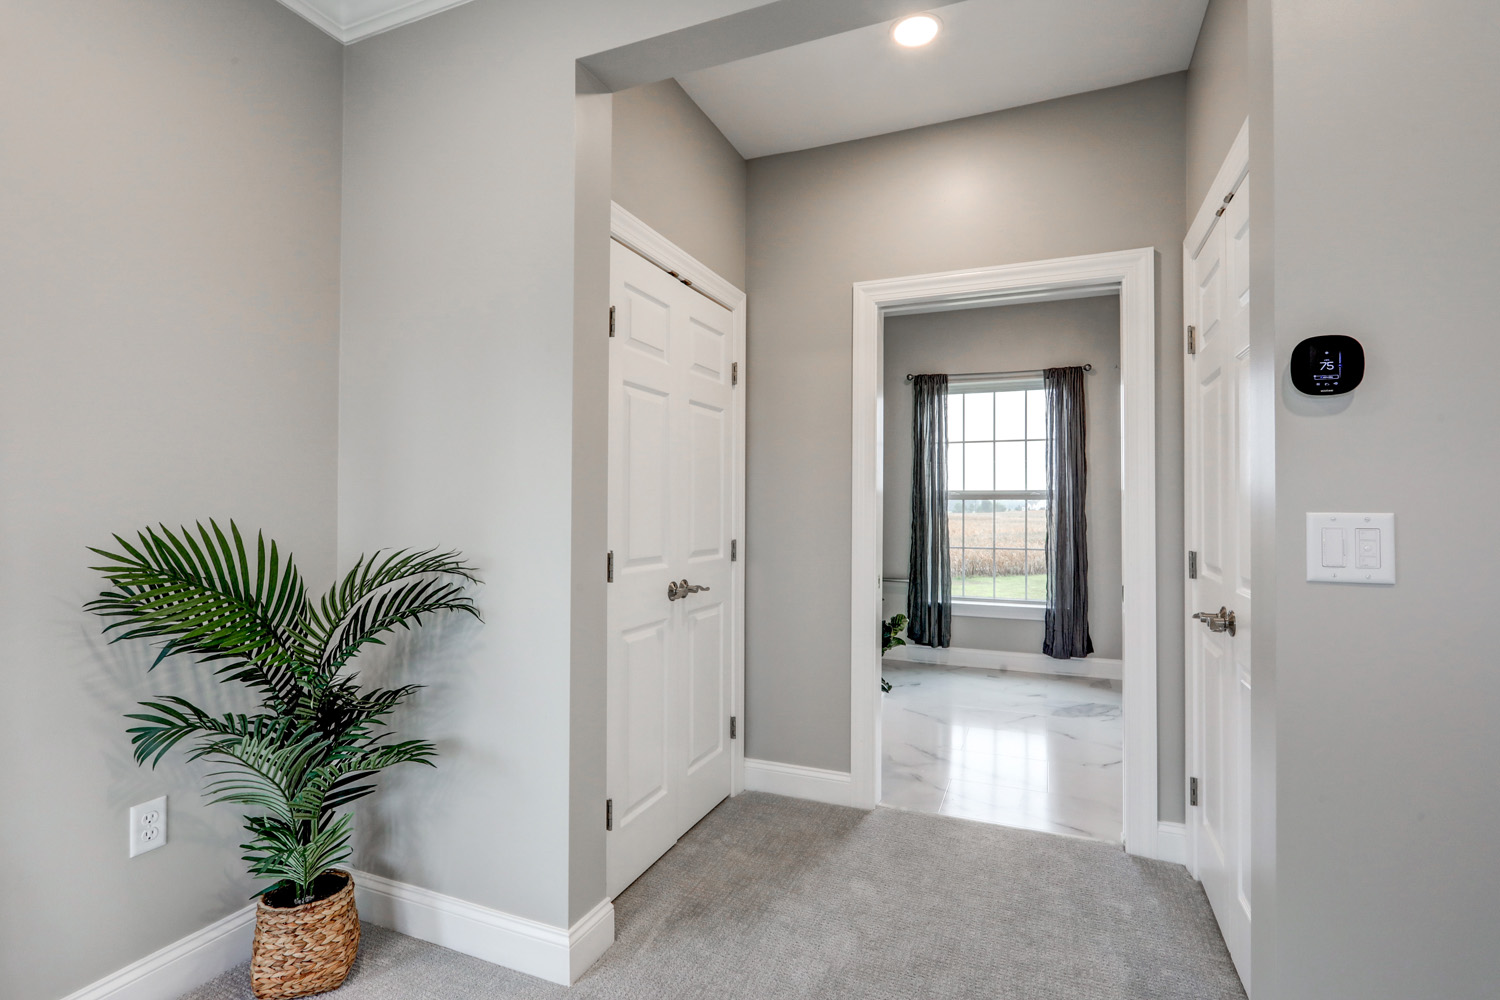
307, 949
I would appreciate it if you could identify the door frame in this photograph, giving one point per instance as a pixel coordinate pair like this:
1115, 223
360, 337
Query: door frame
1131, 274
631, 232
1231, 175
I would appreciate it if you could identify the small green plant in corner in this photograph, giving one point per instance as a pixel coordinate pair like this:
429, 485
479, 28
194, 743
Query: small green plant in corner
890, 638
318, 737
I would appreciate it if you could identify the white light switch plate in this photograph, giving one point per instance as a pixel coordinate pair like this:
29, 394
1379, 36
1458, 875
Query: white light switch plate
1351, 548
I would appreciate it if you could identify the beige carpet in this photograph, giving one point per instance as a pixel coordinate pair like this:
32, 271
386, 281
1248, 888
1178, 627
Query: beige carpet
775, 897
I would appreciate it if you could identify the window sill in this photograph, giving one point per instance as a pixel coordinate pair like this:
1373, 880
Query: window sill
999, 609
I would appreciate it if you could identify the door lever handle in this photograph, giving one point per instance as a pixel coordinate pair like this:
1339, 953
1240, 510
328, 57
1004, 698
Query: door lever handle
1220, 621
677, 590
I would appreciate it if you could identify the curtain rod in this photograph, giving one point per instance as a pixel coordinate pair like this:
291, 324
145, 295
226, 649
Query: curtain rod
982, 375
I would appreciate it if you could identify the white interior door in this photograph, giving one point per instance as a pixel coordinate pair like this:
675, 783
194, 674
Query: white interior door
671, 479
1218, 530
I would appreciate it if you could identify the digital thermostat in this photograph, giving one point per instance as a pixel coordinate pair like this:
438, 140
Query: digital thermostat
1328, 366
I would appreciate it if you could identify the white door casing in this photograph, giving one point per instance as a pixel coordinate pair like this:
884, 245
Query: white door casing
673, 479
1131, 275
1216, 277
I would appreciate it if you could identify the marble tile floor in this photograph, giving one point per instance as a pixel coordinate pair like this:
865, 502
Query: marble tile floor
1022, 750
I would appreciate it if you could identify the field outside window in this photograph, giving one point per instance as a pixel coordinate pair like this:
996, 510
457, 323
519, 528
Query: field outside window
997, 491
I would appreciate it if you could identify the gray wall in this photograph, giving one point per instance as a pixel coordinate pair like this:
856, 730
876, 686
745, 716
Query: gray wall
1013, 338
1092, 173
675, 170
1376, 707
472, 377
1218, 96
168, 352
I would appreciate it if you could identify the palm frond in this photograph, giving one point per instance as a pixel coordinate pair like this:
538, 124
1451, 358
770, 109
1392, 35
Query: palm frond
366, 604
398, 607
286, 854
271, 764
174, 720
336, 782
205, 597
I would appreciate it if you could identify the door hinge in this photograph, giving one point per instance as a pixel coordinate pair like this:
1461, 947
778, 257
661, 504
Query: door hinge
609, 814
611, 321
734, 727
609, 567
734, 549
1192, 565
1229, 197
1192, 340
734, 373
1192, 791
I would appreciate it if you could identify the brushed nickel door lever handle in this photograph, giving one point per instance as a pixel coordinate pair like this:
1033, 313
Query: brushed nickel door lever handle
1220, 621
677, 590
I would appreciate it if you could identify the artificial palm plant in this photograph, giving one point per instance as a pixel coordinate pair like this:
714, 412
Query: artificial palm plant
318, 737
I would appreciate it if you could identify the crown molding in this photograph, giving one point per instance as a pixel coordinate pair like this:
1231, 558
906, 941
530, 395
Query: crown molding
351, 20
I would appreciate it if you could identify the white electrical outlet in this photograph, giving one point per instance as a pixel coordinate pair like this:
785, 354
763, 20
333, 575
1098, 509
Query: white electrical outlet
148, 826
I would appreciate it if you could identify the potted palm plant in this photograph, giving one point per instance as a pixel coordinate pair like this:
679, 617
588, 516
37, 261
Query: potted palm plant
317, 738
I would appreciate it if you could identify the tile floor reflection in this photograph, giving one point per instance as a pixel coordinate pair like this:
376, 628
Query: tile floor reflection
1023, 750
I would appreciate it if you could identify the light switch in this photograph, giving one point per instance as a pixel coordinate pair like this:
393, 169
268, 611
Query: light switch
1351, 548
1333, 548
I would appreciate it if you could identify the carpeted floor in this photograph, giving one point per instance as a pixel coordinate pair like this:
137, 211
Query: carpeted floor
775, 897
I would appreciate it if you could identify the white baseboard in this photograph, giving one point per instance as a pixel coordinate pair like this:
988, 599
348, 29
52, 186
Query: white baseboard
556, 954
181, 966
993, 659
798, 782
1171, 842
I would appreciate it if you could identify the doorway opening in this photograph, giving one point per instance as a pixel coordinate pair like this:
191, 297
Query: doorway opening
988, 727
1130, 276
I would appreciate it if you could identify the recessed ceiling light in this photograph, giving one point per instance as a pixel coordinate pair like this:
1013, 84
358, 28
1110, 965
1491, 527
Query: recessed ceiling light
919, 29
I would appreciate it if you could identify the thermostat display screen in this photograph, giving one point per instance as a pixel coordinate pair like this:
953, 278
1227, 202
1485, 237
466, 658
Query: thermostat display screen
1328, 366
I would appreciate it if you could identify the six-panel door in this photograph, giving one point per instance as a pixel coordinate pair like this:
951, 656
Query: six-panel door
670, 519
1219, 531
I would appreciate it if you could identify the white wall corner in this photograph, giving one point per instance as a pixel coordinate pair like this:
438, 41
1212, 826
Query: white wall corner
181, 966
556, 954
794, 781
1171, 842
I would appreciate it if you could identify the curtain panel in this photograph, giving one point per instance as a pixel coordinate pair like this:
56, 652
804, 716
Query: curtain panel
1066, 631
929, 591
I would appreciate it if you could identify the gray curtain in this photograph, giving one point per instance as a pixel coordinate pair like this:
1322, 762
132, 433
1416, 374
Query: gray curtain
1067, 624
929, 591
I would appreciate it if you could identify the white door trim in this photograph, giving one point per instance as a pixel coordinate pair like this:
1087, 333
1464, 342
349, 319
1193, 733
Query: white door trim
630, 231
1235, 169
1132, 273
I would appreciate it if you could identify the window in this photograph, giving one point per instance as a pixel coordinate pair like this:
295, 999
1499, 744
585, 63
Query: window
997, 490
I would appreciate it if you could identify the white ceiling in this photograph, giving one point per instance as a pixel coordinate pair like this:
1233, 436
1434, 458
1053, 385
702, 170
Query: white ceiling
351, 20
991, 54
